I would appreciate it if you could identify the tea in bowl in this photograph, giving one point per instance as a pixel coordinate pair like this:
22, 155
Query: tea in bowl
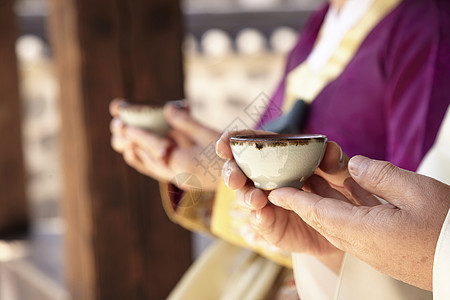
144, 116
279, 160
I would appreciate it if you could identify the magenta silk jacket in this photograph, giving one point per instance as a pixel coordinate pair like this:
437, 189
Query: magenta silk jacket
390, 100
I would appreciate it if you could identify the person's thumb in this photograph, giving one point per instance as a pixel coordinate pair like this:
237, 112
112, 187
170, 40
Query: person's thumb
383, 179
181, 120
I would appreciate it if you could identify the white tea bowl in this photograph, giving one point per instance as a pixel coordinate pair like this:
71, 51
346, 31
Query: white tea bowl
279, 160
145, 116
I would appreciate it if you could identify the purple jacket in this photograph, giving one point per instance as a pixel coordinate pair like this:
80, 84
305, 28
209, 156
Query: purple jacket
389, 101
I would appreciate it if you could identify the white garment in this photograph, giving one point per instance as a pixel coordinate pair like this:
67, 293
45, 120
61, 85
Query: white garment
314, 280
441, 267
436, 164
335, 26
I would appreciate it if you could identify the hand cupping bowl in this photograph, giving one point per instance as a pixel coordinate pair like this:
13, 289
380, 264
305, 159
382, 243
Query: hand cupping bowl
279, 160
145, 116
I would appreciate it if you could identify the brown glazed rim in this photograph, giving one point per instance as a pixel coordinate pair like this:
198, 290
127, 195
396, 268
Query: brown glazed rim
273, 138
277, 140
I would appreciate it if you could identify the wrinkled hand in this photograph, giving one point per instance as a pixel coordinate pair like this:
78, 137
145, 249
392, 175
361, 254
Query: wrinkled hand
280, 227
147, 152
397, 238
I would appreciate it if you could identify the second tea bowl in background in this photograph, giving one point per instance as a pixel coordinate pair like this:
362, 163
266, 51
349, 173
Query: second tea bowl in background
145, 116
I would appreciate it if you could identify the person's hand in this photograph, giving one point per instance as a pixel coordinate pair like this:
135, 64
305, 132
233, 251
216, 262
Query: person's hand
397, 238
280, 227
188, 150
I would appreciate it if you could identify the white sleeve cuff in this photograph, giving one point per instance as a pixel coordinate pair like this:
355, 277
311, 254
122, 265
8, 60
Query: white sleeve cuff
313, 279
441, 267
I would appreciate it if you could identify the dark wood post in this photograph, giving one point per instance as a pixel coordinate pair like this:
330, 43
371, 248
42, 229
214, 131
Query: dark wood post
13, 205
120, 244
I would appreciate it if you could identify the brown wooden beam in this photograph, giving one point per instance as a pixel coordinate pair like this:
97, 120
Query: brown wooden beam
120, 244
13, 205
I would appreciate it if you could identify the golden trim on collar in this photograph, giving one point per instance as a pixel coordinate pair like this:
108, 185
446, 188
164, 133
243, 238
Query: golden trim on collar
303, 83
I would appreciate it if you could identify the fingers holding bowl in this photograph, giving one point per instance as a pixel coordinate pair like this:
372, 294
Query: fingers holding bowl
263, 221
115, 105
154, 144
232, 175
116, 127
334, 162
252, 198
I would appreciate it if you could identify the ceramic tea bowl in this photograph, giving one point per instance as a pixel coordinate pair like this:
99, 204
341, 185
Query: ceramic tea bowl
281, 160
145, 116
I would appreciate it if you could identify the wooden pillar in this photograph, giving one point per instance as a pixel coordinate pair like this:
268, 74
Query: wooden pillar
120, 244
13, 206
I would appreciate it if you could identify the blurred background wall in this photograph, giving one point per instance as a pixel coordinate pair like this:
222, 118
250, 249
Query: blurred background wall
234, 50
